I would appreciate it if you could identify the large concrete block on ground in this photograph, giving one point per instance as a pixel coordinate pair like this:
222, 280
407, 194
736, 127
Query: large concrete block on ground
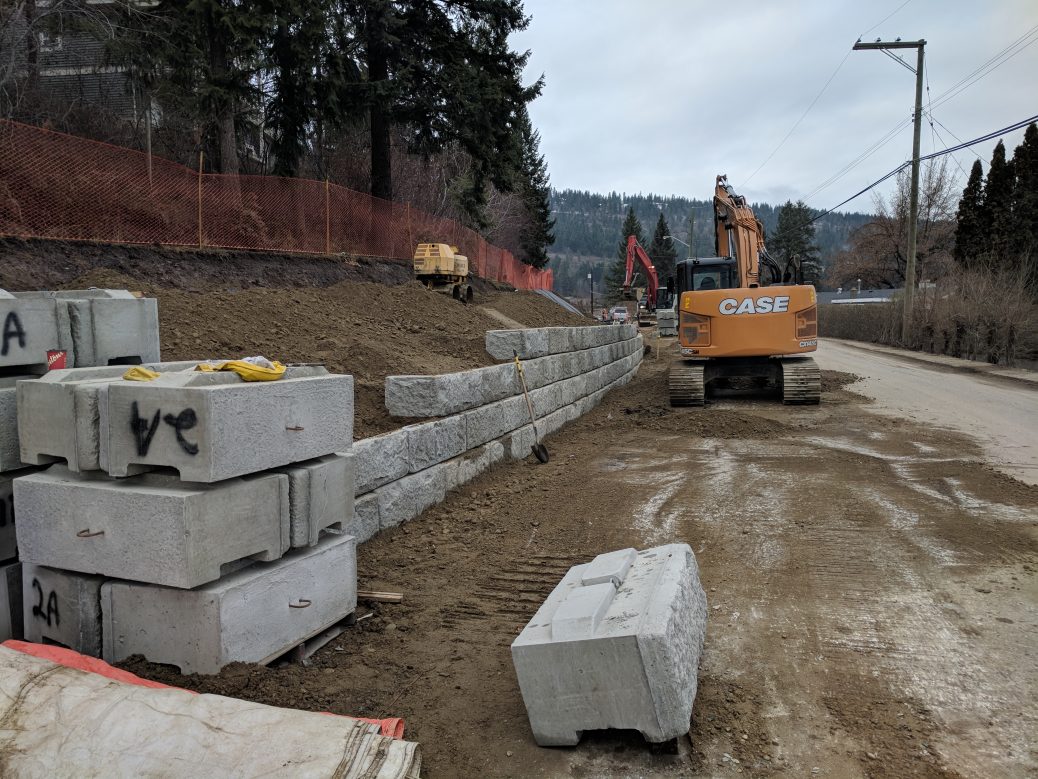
464, 469
149, 528
10, 601
29, 329
62, 607
406, 498
494, 420
251, 616
320, 496
449, 393
365, 522
380, 460
616, 645
433, 442
214, 426
59, 413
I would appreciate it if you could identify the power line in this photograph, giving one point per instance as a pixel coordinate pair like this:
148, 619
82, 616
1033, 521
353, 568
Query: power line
902, 166
796, 124
885, 18
992, 64
821, 92
883, 141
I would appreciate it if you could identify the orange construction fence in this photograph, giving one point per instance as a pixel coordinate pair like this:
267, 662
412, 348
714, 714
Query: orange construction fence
54, 185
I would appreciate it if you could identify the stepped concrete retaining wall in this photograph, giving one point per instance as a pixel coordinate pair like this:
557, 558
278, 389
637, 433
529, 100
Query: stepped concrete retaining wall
484, 417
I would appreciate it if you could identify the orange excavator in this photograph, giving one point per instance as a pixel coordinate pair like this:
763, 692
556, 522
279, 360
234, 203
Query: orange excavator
741, 315
652, 281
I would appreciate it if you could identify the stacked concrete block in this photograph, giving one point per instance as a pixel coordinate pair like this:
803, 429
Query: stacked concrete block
250, 616
615, 645
180, 484
214, 426
150, 528
59, 414
667, 321
484, 416
100, 326
61, 607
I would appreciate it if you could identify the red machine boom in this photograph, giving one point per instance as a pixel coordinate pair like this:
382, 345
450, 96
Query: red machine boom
634, 250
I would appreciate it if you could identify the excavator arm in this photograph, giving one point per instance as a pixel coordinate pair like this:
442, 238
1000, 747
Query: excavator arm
636, 252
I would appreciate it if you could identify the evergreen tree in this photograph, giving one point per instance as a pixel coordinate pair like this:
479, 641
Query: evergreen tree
617, 272
535, 189
1025, 200
200, 58
661, 251
794, 235
997, 205
970, 229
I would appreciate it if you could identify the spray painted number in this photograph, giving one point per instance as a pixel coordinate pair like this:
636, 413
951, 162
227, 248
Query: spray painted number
52, 605
13, 331
144, 430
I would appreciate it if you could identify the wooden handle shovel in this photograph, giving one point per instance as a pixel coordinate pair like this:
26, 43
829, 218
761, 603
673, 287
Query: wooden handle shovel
538, 449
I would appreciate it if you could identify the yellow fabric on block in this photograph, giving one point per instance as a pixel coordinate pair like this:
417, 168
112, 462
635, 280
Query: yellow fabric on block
140, 373
246, 370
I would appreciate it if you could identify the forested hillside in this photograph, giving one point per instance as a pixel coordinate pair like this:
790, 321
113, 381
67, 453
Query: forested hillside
587, 229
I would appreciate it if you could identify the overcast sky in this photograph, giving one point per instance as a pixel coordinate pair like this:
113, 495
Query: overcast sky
661, 95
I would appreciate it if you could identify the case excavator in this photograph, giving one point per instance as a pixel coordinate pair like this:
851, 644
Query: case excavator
741, 315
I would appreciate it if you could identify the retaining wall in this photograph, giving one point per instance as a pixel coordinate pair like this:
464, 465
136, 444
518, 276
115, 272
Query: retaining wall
482, 416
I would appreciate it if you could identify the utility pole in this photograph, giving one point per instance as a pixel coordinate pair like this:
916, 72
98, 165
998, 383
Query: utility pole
913, 214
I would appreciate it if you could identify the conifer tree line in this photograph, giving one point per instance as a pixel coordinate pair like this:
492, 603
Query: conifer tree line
416, 100
996, 225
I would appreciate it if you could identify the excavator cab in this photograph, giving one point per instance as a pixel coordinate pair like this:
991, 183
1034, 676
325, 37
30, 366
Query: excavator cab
706, 274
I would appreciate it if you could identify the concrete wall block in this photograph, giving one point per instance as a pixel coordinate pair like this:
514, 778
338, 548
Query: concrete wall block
433, 442
59, 413
406, 498
250, 616
464, 469
213, 426
518, 444
11, 601
320, 496
561, 339
449, 393
149, 528
622, 653
528, 343
365, 523
62, 607
545, 400
380, 460
28, 330
494, 420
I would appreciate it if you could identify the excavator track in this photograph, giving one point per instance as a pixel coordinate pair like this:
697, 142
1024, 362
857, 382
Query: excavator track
801, 381
686, 385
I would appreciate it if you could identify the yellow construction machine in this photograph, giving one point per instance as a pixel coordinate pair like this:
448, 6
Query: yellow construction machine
439, 267
741, 315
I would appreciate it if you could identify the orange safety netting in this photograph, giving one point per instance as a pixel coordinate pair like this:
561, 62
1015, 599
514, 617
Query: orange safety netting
59, 186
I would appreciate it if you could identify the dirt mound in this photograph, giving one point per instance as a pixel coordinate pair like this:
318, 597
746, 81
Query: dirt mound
38, 264
837, 380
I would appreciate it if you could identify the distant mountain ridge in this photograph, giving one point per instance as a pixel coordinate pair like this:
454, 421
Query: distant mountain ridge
587, 229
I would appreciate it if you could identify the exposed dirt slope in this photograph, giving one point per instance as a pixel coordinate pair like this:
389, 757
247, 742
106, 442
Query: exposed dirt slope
368, 318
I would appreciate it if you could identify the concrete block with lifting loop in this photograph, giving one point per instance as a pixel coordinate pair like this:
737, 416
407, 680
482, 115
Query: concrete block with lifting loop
538, 449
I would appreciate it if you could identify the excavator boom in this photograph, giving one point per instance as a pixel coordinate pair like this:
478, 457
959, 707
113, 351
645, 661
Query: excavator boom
636, 252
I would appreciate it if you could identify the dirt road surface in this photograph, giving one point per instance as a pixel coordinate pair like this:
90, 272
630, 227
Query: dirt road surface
1001, 414
871, 583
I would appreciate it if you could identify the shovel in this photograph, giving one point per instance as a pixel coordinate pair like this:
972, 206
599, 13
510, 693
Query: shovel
538, 449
